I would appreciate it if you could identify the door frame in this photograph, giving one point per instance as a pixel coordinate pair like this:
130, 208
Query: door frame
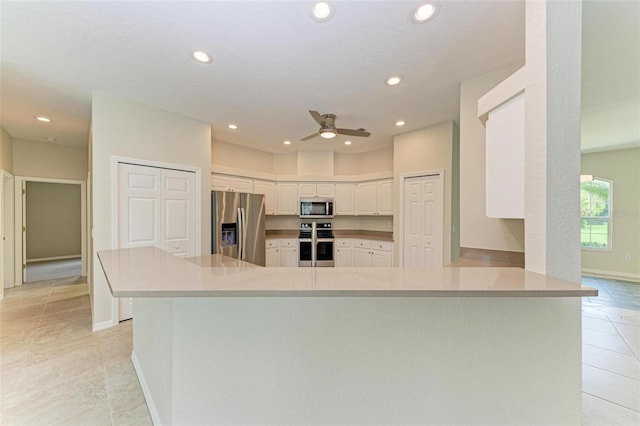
115, 161
19, 181
6, 222
403, 178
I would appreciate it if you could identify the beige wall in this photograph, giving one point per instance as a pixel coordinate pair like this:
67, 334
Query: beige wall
53, 220
623, 168
124, 128
47, 160
423, 150
476, 229
6, 151
240, 157
366, 162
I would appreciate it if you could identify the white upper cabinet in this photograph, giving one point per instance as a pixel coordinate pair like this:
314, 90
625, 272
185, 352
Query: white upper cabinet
310, 190
345, 199
268, 189
231, 183
287, 196
375, 198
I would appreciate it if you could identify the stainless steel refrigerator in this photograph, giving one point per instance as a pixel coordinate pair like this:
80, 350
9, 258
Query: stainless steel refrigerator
238, 228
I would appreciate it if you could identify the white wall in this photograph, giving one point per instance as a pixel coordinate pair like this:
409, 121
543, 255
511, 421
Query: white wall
48, 160
363, 163
476, 229
124, 128
422, 150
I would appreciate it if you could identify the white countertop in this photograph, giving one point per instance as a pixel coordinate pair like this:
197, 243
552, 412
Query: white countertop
151, 272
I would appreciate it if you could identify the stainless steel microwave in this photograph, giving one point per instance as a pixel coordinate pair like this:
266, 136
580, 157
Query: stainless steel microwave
316, 208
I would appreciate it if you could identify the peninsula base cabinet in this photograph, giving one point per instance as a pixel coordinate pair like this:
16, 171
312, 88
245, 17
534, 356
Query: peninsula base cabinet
372, 253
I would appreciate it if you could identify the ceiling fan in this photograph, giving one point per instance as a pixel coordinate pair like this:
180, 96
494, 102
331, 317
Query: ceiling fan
328, 128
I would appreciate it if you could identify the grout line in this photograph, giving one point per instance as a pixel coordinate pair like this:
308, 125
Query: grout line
610, 402
612, 372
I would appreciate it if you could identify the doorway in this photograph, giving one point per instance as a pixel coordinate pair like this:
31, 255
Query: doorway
50, 240
423, 220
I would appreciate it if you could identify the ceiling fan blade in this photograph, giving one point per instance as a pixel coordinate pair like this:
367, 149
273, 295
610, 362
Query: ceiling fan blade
318, 117
310, 136
352, 132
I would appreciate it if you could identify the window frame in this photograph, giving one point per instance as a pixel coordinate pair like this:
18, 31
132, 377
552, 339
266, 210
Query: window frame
608, 218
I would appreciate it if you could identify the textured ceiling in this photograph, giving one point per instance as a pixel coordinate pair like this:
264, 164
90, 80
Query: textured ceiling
272, 63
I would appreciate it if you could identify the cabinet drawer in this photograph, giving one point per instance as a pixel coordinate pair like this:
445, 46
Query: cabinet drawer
382, 245
289, 242
272, 243
362, 243
343, 242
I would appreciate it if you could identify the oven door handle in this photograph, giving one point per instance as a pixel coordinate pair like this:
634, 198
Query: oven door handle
325, 240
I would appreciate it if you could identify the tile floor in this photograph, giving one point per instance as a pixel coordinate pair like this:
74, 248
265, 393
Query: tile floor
55, 371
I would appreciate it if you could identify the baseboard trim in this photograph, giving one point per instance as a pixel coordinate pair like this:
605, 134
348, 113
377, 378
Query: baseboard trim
599, 273
103, 325
47, 259
153, 411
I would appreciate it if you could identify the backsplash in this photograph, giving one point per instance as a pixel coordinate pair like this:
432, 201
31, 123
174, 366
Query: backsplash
363, 223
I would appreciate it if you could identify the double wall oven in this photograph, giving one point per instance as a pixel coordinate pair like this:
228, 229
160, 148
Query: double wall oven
315, 244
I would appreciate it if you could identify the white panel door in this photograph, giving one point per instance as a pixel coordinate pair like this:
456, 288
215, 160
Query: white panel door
156, 207
423, 222
179, 216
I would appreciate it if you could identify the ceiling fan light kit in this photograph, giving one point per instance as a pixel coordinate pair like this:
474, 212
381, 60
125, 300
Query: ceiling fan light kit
328, 128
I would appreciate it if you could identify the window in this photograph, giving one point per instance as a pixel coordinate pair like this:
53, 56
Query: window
595, 212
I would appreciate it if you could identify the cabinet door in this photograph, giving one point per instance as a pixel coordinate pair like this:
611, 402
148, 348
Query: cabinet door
366, 197
268, 189
289, 257
238, 184
361, 257
326, 190
272, 256
384, 197
344, 257
381, 258
345, 199
219, 183
307, 190
287, 195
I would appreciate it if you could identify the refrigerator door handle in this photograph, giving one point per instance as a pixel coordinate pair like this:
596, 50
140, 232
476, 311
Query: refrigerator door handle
314, 244
244, 234
240, 233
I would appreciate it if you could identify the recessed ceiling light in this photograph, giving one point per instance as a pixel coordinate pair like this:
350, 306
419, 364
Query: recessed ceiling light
287, 142
42, 118
50, 139
399, 123
202, 57
394, 80
347, 142
423, 13
232, 126
322, 11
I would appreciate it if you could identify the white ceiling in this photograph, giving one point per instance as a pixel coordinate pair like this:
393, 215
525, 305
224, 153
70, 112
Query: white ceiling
273, 63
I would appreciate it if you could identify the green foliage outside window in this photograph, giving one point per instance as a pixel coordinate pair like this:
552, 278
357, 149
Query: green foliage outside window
595, 205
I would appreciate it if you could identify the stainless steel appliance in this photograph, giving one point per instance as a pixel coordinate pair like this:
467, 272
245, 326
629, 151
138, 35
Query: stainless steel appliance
238, 228
315, 244
316, 208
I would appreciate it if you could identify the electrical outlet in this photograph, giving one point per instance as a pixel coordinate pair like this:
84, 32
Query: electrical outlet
627, 256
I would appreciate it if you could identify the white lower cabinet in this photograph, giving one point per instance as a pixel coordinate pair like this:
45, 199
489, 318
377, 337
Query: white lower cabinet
282, 252
343, 253
372, 253
289, 252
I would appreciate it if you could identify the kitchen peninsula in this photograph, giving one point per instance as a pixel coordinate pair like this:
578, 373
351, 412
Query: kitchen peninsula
220, 341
